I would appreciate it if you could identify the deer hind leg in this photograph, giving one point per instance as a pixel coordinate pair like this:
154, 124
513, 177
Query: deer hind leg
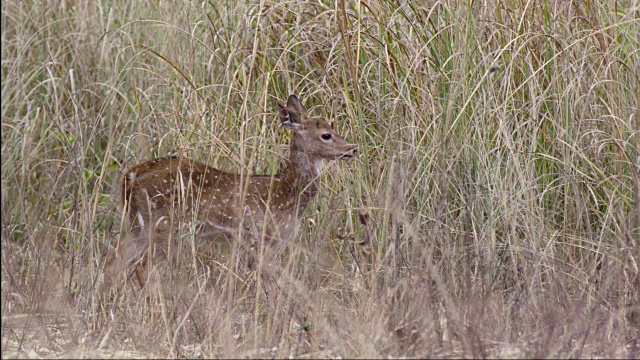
131, 246
112, 266
142, 275
135, 256
153, 264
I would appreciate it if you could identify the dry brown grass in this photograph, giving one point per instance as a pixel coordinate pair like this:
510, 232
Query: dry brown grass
494, 211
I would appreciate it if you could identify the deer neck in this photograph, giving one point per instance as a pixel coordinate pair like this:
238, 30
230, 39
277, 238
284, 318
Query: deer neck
299, 179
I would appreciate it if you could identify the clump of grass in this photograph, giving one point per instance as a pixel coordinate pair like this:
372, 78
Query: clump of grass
494, 210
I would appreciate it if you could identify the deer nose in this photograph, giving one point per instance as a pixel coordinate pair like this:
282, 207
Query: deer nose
354, 151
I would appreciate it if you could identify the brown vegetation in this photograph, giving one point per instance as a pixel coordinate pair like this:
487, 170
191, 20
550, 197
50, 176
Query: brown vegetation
494, 209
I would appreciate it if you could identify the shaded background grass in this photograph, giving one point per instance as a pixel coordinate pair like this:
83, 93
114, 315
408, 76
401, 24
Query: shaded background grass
494, 210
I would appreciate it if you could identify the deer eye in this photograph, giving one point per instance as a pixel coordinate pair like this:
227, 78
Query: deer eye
326, 136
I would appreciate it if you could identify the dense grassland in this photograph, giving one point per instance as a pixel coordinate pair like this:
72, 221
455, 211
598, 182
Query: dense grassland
494, 210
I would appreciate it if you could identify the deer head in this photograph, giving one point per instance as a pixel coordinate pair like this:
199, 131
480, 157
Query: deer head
313, 137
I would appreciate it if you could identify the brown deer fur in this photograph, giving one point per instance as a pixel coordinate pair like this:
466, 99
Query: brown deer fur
173, 194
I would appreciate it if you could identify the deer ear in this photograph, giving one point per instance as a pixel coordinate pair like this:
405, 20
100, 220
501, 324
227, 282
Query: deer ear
294, 104
290, 119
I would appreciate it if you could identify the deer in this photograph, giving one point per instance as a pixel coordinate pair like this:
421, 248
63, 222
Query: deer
177, 195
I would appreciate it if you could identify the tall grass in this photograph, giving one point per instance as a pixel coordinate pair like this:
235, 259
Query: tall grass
494, 210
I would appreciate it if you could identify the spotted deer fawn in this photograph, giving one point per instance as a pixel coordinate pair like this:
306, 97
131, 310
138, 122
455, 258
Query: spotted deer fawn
176, 195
